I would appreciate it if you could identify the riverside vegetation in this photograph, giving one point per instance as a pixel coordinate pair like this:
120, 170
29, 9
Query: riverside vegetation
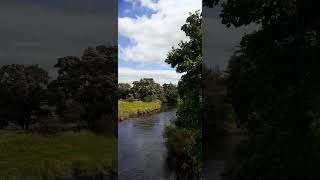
272, 83
64, 128
184, 136
143, 97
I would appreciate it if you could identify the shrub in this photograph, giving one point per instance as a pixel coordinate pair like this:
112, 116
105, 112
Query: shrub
130, 98
105, 125
149, 98
47, 126
180, 144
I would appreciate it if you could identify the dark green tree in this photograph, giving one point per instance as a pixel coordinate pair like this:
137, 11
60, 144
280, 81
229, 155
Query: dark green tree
274, 93
170, 92
146, 89
187, 58
124, 89
22, 89
90, 80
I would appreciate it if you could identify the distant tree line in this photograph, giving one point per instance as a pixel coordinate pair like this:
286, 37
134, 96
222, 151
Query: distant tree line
83, 94
147, 89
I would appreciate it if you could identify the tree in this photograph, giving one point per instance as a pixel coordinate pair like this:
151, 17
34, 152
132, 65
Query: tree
217, 109
124, 89
274, 93
170, 93
146, 89
90, 80
187, 58
22, 89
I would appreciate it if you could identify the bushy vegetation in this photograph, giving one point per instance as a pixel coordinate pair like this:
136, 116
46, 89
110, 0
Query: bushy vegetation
274, 94
148, 90
187, 58
84, 91
37, 117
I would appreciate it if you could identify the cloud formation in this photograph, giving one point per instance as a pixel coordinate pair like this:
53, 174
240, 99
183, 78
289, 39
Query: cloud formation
128, 75
153, 36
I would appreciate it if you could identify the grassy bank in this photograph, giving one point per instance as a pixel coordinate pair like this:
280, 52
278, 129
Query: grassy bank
128, 109
68, 155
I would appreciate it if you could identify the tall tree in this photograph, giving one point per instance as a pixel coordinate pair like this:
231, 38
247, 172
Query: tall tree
274, 93
22, 89
124, 89
90, 80
187, 58
146, 89
170, 93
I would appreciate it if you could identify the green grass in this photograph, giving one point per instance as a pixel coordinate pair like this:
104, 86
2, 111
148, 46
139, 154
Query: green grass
128, 109
23, 155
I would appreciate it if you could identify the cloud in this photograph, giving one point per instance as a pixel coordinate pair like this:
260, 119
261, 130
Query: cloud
153, 36
128, 75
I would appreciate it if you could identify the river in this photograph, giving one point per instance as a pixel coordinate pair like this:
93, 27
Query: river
142, 154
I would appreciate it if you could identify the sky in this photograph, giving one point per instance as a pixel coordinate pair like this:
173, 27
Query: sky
220, 42
40, 31
148, 29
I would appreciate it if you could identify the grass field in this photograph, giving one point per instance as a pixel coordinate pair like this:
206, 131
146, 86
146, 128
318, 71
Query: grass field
25, 155
128, 109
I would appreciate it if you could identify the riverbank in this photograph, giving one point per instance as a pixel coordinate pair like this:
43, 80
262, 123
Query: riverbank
62, 156
129, 109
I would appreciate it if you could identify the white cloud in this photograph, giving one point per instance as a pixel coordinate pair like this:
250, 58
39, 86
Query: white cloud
153, 36
128, 75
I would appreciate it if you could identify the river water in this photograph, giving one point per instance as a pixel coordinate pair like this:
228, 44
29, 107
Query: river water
142, 154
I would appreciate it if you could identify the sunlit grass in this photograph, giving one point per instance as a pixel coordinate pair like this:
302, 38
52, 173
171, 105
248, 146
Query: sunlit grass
128, 109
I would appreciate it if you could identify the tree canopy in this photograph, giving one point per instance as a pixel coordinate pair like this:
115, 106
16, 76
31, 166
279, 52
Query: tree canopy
187, 58
273, 85
22, 89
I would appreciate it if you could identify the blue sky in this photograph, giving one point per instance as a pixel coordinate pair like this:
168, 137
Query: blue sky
147, 31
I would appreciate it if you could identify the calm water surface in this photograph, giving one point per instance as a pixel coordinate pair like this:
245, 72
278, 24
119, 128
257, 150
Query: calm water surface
141, 150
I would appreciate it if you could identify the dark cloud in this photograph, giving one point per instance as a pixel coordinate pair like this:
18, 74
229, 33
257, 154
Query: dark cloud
220, 42
37, 32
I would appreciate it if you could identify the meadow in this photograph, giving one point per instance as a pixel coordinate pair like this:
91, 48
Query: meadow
67, 155
128, 109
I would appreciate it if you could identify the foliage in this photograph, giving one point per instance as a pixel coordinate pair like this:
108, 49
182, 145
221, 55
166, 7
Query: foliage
146, 89
274, 94
47, 122
187, 58
103, 126
90, 80
124, 89
170, 93
22, 89
179, 141
217, 106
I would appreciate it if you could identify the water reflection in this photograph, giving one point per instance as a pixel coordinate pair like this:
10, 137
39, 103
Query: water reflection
141, 150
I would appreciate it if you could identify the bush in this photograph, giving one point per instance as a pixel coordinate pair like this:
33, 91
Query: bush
130, 98
3, 123
47, 126
180, 143
149, 98
104, 125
